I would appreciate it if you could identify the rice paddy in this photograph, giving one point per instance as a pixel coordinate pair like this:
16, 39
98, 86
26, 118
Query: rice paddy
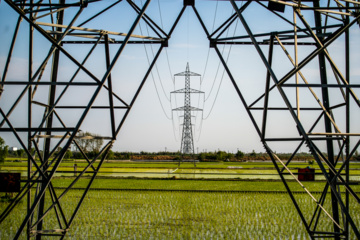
112, 214
120, 208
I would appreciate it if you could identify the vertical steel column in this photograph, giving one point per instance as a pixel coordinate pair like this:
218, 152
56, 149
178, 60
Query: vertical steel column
328, 128
347, 99
49, 120
267, 86
296, 65
29, 163
111, 103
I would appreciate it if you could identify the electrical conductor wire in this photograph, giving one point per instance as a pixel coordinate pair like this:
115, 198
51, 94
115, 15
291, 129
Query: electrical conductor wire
152, 76
222, 77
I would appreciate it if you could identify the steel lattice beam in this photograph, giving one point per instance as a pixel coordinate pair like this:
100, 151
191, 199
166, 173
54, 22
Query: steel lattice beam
56, 23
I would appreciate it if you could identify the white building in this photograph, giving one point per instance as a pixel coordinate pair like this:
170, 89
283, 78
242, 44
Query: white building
13, 149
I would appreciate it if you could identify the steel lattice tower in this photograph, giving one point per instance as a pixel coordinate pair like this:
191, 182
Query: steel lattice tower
187, 141
35, 108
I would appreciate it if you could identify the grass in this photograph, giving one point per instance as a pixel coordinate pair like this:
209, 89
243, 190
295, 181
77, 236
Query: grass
225, 212
185, 168
182, 215
185, 165
211, 185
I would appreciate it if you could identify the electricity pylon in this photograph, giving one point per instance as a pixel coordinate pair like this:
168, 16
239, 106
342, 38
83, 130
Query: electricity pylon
44, 107
187, 141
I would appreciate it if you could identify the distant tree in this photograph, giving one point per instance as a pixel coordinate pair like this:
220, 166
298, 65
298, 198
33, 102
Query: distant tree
110, 155
77, 155
221, 155
239, 155
128, 155
68, 154
4, 150
96, 143
356, 155
90, 142
253, 153
202, 156
84, 141
229, 156
20, 152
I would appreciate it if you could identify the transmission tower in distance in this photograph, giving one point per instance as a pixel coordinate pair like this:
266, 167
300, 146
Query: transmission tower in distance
187, 142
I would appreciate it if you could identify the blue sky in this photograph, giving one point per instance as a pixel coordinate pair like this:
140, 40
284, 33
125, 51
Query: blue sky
147, 128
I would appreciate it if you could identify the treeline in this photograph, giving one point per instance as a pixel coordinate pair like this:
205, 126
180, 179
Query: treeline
203, 157
210, 156
91, 148
253, 156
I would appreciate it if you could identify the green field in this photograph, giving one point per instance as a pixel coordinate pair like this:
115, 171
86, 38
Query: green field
172, 208
208, 170
193, 185
183, 165
181, 215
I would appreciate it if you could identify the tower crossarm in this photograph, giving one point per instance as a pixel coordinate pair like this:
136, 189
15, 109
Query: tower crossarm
189, 108
187, 73
183, 90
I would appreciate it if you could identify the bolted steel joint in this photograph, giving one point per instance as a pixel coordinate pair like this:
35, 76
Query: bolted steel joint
165, 43
84, 3
212, 43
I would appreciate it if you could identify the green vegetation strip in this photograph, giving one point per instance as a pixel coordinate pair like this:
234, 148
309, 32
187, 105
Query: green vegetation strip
173, 165
181, 215
192, 185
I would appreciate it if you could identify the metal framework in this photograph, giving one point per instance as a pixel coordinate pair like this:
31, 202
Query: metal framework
187, 140
314, 25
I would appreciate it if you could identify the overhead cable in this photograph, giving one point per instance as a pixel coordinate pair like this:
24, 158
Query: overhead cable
222, 77
171, 76
166, 52
156, 66
203, 76
200, 128
217, 70
152, 76
207, 58
174, 128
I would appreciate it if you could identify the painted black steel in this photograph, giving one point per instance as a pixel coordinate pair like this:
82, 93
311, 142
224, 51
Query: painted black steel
314, 32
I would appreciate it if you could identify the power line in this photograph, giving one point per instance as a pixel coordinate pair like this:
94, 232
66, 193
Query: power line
222, 77
166, 52
200, 128
174, 128
207, 58
152, 76
203, 76
171, 76
156, 66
